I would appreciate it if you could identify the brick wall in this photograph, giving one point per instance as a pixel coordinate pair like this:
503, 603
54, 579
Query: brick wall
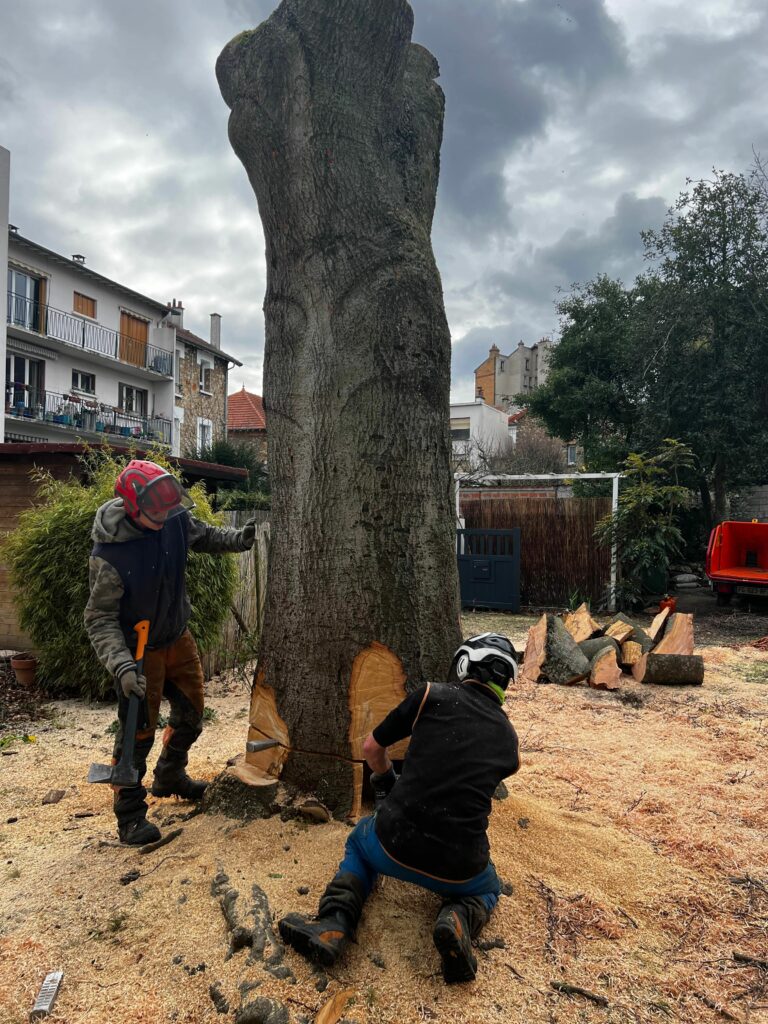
199, 404
485, 381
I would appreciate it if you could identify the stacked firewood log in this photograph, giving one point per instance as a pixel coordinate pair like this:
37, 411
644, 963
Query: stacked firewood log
578, 649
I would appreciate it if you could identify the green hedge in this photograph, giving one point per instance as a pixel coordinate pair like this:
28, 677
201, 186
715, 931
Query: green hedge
47, 555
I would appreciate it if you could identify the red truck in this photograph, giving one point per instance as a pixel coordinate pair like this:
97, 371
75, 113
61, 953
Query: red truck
737, 560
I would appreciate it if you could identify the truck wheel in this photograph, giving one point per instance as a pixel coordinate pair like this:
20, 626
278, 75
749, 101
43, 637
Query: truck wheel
723, 599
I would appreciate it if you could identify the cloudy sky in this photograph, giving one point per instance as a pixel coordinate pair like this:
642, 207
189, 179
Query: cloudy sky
570, 125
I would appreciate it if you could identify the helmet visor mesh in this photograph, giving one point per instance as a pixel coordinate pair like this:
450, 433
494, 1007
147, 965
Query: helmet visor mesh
161, 496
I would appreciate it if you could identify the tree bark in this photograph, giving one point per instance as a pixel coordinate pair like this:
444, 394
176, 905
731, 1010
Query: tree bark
337, 119
673, 669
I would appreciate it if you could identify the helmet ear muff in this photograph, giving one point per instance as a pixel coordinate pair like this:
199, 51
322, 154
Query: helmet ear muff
462, 667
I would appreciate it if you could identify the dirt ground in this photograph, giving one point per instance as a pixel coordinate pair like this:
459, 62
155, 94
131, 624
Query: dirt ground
633, 842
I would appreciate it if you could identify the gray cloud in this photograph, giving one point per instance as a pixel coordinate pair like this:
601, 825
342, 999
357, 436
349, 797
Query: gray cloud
570, 125
502, 65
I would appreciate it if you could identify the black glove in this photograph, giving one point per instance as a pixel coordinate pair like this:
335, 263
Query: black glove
248, 533
382, 785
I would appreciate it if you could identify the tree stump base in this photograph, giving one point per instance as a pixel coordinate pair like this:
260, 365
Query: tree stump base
232, 795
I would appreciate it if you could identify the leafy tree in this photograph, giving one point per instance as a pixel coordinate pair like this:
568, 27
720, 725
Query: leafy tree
48, 553
683, 353
646, 525
533, 451
592, 391
706, 328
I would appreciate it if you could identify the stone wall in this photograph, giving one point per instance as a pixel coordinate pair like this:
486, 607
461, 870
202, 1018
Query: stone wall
257, 439
196, 403
752, 504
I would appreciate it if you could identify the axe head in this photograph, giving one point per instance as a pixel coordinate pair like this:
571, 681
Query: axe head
113, 774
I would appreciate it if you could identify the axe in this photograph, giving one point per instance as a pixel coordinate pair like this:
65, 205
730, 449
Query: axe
123, 773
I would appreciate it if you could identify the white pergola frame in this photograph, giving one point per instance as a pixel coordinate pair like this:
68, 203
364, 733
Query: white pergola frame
483, 480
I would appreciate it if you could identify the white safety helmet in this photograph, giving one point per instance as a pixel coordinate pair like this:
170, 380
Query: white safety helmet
489, 658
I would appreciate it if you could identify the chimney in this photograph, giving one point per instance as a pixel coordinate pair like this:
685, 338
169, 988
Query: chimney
78, 258
216, 330
175, 314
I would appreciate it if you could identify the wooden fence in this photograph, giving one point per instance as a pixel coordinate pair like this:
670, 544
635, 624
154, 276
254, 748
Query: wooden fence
559, 556
242, 627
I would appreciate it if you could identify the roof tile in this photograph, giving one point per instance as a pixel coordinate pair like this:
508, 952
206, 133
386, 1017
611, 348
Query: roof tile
245, 411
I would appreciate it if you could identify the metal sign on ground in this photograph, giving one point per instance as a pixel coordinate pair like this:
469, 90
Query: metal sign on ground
496, 479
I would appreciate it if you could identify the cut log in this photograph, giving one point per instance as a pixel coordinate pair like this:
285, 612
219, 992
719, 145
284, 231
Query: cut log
535, 652
598, 643
657, 627
631, 652
604, 672
581, 625
620, 629
564, 662
678, 636
672, 669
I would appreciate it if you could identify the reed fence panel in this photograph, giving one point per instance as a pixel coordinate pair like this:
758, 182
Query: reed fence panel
560, 560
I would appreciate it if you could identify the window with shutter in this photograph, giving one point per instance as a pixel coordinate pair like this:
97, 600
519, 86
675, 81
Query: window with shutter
84, 305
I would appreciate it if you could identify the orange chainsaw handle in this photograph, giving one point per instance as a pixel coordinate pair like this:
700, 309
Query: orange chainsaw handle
141, 629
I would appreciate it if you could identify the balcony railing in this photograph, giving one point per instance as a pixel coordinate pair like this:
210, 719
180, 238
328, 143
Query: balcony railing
87, 335
83, 415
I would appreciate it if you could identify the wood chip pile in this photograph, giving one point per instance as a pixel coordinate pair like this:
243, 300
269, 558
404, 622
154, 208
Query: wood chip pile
577, 649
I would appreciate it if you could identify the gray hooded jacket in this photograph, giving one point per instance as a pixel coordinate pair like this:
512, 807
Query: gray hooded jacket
103, 623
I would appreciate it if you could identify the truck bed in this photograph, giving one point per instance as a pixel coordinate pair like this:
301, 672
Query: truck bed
738, 553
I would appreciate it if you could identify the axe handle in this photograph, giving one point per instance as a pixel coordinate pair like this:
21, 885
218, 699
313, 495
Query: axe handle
129, 733
132, 717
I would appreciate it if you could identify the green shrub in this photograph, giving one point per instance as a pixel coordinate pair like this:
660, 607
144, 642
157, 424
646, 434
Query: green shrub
237, 501
240, 454
47, 555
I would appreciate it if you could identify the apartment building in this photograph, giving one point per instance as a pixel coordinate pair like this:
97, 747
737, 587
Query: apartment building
89, 358
201, 379
499, 378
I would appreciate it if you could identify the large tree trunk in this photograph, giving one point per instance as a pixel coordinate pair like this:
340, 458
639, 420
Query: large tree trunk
338, 121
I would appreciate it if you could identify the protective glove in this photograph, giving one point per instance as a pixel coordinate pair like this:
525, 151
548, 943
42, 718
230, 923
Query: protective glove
248, 533
382, 785
132, 683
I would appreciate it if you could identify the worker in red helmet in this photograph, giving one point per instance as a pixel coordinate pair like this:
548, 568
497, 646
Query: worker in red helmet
137, 566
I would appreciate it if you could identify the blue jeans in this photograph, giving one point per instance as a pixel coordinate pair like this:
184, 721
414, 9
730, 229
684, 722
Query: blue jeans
365, 857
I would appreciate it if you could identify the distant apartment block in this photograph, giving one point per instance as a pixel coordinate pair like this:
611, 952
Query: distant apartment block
499, 378
89, 358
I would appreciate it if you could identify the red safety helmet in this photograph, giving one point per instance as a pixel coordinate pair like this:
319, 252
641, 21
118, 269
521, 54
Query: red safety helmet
147, 488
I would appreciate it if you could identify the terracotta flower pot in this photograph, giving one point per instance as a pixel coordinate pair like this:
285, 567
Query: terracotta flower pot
24, 667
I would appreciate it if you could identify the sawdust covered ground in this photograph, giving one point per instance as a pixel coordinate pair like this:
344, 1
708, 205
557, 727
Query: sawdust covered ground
633, 839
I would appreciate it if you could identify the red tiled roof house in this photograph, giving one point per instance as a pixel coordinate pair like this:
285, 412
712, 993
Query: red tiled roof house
246, 420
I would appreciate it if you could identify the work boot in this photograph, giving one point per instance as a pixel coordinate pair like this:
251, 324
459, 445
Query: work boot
324, 937
457, 923
171, 779
138, 832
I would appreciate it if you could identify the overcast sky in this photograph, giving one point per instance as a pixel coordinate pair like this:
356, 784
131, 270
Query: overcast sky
570, 125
